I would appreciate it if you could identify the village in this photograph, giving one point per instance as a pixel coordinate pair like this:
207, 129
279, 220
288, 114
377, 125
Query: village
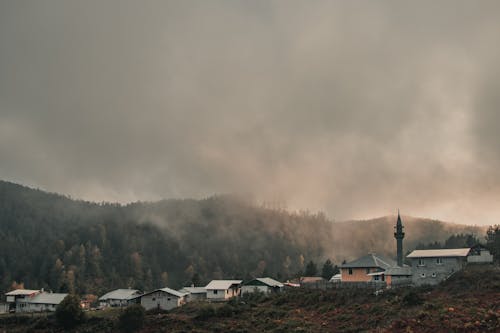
373, 272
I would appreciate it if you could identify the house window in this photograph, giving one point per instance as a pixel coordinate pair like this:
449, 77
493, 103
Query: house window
367, 271
422, 275
421, 262
154, 298
433, 275
350, 271
439, 261
215, 292
168, 299
375, 278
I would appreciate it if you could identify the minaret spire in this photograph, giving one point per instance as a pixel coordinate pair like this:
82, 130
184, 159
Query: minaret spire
399, 235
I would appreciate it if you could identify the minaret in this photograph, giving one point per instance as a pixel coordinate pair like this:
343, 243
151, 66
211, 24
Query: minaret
399, 235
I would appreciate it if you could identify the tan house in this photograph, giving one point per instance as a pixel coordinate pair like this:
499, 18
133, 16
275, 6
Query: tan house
366, 269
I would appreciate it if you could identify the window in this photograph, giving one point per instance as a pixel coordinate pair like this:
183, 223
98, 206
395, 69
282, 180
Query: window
421, 262
350, 271
433, 275
422, 275
154, 298
215, 292
439, 261
376, 278
367, 270
168, 299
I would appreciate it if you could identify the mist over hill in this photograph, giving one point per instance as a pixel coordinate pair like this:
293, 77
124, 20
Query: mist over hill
54, 242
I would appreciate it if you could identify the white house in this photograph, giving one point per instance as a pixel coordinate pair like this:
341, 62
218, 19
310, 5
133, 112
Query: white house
17, 299
218, 290
43, 302
265, 285
162, 299
118, 297
194, 293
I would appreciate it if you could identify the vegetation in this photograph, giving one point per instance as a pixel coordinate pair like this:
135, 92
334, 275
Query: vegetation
132, 318
69, 312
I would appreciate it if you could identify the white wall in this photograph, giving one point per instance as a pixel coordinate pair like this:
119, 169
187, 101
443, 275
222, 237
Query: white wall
162, 300
484, 257
221, 294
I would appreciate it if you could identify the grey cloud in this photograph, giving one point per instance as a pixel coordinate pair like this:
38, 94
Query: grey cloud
353, 108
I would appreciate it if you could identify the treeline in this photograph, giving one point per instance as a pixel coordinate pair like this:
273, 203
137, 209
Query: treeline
53, 242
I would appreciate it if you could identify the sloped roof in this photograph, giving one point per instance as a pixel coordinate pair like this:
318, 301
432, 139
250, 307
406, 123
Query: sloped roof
48, 298
194, 290
267, 281
462, 252
221, 284
370, 260
120, 294
24, 292
398, 271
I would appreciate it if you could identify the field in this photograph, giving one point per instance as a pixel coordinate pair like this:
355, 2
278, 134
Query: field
468, 302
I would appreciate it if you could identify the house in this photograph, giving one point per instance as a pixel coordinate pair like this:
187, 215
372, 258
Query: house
44, 302
479, 255
162, 299
118, 297
265, 285
223, 289
4, 308
434, 266
17, 299
363, 269
397, 276
194, 293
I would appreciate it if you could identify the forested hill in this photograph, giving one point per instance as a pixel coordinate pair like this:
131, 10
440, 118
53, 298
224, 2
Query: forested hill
53, 242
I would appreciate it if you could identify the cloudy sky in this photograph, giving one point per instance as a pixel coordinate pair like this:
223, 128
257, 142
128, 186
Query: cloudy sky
354, 108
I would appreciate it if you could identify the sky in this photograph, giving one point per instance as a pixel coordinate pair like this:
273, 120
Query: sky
353, 108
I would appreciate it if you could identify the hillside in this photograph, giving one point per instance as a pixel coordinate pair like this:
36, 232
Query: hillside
467, 302
54, 242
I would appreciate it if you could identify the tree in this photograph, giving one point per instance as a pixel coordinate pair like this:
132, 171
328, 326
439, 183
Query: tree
311, 269
69, 312
132, 318
493, 241
328, 270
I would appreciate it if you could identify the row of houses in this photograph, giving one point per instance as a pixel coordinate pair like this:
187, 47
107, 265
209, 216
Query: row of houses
26, 300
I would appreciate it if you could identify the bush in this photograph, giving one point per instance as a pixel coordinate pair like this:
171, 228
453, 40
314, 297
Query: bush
69, 312
205, 312
412, 298
132, 318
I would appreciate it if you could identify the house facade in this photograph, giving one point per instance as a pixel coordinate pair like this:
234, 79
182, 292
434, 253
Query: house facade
479, 255
194, 293
162, 299
264, 285
44, 302
219, 290
18, 299
433, 266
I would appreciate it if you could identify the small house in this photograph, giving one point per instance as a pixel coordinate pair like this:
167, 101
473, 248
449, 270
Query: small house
434, 266
264, 285
479, 255
366, 269
223, 289
162, 299
194, 293
44, 302
17, 299
118, 298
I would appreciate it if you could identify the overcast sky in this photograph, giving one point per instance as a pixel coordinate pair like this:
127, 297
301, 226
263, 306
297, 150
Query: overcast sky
354, 108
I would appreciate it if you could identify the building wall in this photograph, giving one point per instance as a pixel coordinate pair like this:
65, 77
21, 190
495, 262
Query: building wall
358, 274
222, 294
251, 289
40, 307
432, 271
161, 300
196, 297
484, 257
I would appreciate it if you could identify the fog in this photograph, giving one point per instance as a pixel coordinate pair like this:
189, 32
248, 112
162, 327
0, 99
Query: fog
351, 108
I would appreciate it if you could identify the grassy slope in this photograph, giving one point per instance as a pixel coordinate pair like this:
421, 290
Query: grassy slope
467, 302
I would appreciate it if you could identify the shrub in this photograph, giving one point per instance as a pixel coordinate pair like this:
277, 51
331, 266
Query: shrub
132, 318
205, 312
69, 313
412, 298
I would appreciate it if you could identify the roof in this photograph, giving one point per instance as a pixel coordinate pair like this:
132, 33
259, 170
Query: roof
336, 277
193, 290
463, 252
48, 298
121, 294
266, 281
370, 260
221, 284
396, 270
24, 292
311, 279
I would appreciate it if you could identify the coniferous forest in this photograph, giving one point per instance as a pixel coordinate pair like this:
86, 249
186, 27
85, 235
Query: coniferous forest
54, 242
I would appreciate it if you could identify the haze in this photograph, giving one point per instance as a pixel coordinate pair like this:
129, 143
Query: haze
354, 108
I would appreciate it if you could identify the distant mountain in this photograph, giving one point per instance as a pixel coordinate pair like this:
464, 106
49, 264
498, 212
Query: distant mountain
52, 241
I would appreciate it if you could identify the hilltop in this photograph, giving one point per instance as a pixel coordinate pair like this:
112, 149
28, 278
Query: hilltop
54, 242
